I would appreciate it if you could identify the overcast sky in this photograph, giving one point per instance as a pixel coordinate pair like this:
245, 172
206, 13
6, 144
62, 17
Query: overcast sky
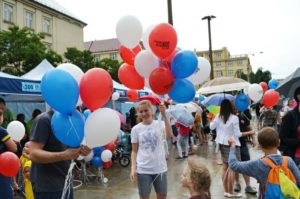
243, 26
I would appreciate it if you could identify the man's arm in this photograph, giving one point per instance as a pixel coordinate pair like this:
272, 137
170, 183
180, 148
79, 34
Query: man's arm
35, 152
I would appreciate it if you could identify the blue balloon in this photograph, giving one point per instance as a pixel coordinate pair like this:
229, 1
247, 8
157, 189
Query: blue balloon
86, 113
68, 129
97, 162
183, 91
242, 102
273, 83
184, 64
60, 90
98, 150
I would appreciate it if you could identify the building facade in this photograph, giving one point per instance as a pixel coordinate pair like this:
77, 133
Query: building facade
108, 48
226, 65
61, 28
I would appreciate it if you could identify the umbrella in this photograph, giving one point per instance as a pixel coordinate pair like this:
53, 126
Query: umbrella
216, 99
288, 86
181, 115
191, 107
153, 99
213, 109
223, 84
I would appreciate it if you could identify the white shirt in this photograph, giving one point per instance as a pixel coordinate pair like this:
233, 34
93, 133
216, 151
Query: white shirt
225, 131
151, 154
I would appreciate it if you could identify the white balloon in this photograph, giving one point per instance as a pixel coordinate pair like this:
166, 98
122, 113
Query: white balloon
89, 157
101, 127
115, 96
255, 92
147, 83
145, 62
129, 31
146, 38
202, 72
16, 130
76, 72
106, 155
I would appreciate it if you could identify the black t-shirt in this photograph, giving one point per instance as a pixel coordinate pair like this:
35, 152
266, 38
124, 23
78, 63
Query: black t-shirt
4, 136
47, 177
244, 122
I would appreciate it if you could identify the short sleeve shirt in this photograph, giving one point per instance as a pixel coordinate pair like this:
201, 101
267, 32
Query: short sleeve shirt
4, 136
47, 177
151, 153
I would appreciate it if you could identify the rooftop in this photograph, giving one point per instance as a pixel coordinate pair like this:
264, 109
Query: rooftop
102, 45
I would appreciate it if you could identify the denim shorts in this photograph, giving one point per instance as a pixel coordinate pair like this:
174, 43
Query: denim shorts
159, 182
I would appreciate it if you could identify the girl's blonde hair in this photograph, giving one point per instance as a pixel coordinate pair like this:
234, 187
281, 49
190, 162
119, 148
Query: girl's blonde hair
200, 177
198, 118
146, 103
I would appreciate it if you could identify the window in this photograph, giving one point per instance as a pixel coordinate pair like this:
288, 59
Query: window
219, 64
46, 25
230, 72
240, 62
218, 55
229, 63
29, 19
113, 56
219, 73
8, 13
97, 58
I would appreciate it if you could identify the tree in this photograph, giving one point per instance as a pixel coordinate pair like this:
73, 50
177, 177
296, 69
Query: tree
111, 66
83, 59
241, 74
260, 76
22, 49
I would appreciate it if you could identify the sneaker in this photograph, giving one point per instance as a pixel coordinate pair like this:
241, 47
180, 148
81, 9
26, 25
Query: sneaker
185, 156
234, 195
250, 190
237, 187
179, 158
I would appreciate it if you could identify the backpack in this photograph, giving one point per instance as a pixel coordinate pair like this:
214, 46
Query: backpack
281, 182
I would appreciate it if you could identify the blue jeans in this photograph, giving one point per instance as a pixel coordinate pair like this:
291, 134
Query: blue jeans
52, 195
185, 140
159, 182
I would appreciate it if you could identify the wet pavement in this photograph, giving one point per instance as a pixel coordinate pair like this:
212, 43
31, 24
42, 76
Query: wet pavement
119, 185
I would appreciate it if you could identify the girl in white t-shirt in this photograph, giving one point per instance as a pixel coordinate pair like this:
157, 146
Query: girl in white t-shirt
149, 165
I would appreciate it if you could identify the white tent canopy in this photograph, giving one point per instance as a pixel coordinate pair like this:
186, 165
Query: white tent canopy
223, 84
38, 72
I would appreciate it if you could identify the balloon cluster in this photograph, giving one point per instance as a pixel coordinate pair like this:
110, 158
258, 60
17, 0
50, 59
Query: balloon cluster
168, 69
266, 93
66, 87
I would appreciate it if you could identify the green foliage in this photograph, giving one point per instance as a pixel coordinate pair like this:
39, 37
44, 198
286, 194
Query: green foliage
260, 76
21, 50
111, 66
240, 74
83, 59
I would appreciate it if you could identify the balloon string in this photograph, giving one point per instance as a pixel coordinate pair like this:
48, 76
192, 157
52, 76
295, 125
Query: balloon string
67, 186
72, 127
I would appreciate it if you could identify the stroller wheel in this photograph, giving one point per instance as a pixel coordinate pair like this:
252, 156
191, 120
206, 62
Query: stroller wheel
124, 161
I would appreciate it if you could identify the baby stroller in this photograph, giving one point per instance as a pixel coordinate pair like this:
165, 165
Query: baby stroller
122, 151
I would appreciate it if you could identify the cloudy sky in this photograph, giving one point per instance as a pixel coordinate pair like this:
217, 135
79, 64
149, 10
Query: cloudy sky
243, 26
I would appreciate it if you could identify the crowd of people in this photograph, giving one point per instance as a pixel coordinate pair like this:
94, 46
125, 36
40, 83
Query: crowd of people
45, 160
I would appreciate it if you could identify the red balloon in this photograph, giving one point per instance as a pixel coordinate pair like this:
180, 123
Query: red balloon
9, 164
132, 95
270, 98
110, 146
163, 40
128, 55
166, 62
107, 164
264, 86
161, 80
129, 77
96, 87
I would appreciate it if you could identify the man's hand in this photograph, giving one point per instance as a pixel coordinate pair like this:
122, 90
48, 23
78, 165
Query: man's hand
84, 150
72, 153
133, 175
231, 142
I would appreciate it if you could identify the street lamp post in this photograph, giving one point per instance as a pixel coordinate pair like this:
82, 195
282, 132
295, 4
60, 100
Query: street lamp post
248, 67
170, 15
208, 18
